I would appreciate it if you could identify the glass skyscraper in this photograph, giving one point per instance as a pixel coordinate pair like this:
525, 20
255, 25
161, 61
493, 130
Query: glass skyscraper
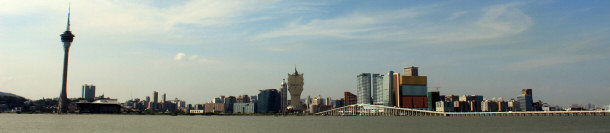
368, 85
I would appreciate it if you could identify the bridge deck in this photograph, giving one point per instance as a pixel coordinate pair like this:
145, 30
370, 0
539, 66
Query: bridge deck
377, 110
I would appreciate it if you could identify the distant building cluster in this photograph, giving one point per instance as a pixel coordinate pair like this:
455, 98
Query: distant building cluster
394, 90
155, 104
270, 101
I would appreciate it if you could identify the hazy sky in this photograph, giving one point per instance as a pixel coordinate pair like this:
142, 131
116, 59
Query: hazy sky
196, 50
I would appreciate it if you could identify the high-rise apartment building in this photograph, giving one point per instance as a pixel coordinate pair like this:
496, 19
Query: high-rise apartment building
155, 103
88, 92
283, 95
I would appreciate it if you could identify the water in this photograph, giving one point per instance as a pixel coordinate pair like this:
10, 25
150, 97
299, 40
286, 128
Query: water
281, 124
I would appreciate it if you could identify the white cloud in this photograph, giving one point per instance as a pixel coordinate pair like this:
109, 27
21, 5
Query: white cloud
405, 25
550, 60
350, 26
456, 15
495, 22
194, 58
580, 48
179, 56
135, 21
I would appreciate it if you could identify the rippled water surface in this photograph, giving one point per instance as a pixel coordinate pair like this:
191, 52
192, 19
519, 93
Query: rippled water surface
281, 124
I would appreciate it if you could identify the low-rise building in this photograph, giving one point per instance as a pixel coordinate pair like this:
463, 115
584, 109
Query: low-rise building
196, 111
461, 106
489, 106
244, 108
443, 106
215, 108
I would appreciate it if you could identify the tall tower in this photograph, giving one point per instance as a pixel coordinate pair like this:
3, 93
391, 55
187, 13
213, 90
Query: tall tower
295, 86
283, 95
67, 37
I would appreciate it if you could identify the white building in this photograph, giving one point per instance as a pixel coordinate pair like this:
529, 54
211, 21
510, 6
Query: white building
244, 108
196, 111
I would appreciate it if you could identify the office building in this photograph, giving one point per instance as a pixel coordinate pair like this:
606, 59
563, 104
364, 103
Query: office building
295, 87
385, 95
350, 98
364, 88
88, 92
268, 101
368, 85
413, 89
526, 100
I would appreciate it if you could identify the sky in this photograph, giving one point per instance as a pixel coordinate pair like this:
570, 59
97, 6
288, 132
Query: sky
199, 49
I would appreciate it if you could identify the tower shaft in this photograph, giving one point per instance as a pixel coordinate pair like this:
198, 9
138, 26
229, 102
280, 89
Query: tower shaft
63, 97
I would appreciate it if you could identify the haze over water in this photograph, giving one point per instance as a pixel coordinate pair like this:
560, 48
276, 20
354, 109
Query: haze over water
305, 124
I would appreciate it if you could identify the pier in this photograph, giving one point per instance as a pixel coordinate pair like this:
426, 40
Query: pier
377, 110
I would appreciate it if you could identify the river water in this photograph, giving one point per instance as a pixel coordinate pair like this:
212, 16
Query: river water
306, 124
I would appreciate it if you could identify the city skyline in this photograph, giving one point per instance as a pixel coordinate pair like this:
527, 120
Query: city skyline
196, 50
